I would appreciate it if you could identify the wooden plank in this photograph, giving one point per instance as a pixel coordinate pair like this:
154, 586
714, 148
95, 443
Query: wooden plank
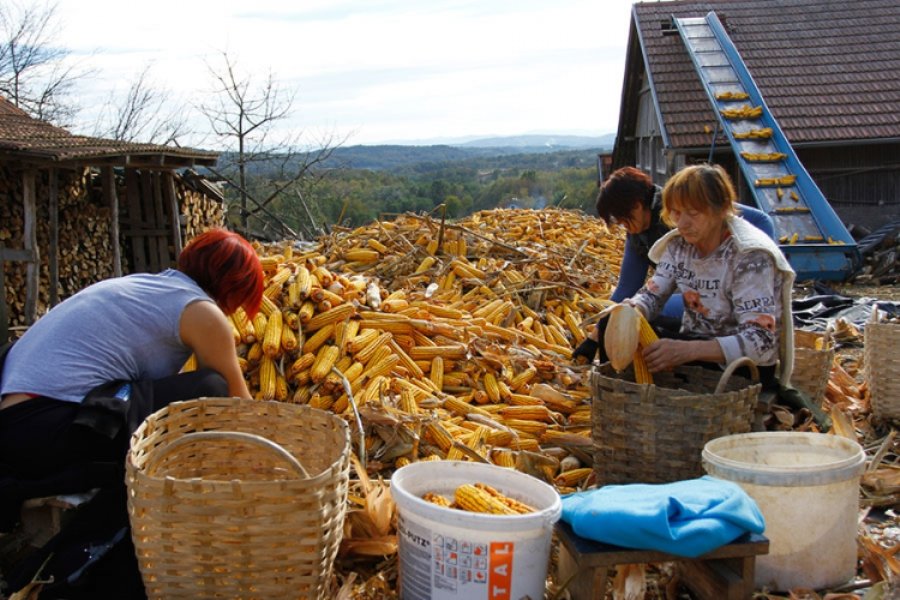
4, 309
32, 271
112, 201
149, 218
53, 258
162, 246
19, 254
136, 221
174, 213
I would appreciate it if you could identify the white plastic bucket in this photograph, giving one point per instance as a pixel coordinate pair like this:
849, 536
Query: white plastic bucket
449, 554
807, 487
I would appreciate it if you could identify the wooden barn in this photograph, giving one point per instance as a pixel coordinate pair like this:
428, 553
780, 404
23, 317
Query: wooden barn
75, 210
826, 71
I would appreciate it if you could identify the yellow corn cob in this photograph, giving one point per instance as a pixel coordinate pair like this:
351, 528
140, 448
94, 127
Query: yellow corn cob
503, 458
321, 402
276, 282
529, 444
363, 255
267, 378
361, 340
259, 325
573, 477
332, 380
401, 461
272, 339
315, 341
439, 435
254, 353
556, 437
431, 247
528, 426
398, 324
366, 353
382, 366
458, 406
271, 262
646, 335
336, 314
344, 331
303, 363
281, 387
302, 395
641, 374
426, 264
190, 364
267, 307
436, 373
325, 359
306, 311
243, 364
408, 402
470, 498
522, 378
288, 339
517, 506
525, 400
580, 417
490, 386
302, 282
429, 352
530, 413
394, 305
436, 499
376, 245
244, 326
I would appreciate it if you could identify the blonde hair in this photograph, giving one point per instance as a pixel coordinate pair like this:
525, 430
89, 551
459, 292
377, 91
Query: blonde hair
706, 188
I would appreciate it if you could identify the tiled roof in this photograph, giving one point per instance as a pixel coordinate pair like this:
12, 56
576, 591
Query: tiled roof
27, 138
829, 70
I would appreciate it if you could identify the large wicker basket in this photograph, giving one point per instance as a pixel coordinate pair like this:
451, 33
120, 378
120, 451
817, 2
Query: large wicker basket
233, 498
882, 368
813, 357
655, 433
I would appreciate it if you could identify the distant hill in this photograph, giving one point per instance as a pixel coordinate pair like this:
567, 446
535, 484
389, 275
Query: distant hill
396, 156
550, 142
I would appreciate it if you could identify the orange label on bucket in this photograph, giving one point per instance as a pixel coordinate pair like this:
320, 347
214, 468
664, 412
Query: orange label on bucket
500, 574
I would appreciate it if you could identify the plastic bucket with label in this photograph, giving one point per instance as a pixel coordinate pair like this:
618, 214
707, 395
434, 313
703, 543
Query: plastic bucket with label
807, 487
449, 554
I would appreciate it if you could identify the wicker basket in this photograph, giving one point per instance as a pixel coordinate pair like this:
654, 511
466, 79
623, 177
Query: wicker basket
233, 498
882, 368
655, 433
813, 357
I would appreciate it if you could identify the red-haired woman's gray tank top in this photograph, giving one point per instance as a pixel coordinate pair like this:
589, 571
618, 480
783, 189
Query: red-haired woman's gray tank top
122, 328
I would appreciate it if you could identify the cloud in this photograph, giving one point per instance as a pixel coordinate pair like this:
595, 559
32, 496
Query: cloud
386, 69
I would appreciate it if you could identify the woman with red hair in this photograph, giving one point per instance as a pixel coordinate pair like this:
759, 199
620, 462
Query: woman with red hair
82, 378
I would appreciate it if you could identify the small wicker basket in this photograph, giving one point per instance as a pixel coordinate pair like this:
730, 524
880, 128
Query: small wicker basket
233, 498
882, 368
655, 433
813, 357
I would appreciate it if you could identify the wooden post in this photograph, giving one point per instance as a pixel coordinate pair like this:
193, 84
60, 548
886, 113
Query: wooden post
172, 199
112, 200
149, 217
135, 221
29, 236
53, 257
165, 259
4, 311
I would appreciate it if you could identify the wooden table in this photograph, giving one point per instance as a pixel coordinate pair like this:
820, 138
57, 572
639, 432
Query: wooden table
726, 573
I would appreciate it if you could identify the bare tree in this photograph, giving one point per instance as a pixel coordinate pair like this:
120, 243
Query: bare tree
146, 113
244, 114
35, 74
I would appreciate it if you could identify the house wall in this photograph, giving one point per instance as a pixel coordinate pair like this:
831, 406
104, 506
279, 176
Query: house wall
862, 182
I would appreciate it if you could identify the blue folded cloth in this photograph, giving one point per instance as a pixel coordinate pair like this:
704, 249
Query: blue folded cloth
685, 518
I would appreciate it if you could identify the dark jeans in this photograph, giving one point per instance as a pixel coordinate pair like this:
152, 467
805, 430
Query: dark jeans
48, 447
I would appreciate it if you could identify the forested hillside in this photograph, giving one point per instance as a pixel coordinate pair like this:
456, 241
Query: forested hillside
358, 184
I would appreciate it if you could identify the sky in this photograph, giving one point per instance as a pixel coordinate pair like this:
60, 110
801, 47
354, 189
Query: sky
373, 71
